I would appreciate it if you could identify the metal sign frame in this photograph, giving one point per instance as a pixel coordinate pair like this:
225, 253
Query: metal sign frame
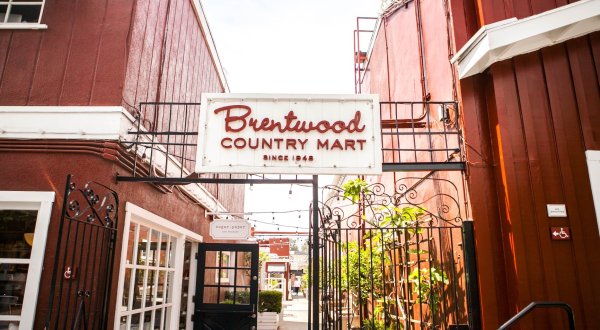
293, 134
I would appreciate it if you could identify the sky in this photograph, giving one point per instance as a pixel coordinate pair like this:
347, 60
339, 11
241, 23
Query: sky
283, 46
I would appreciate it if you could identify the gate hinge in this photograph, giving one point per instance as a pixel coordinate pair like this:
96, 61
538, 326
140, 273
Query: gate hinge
193, 317
196, 255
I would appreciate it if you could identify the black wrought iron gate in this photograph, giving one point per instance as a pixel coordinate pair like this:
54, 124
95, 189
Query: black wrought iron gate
83, 263
395, 260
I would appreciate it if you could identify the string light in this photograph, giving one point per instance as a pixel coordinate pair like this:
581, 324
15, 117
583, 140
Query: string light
259, 212
280, 225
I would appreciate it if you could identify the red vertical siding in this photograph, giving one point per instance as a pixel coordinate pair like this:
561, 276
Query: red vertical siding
169, 59
19, 66
542, 111
79, 60
484, 202
539, 106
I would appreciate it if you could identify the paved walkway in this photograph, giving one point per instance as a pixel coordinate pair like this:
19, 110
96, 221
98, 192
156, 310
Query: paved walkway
295, 314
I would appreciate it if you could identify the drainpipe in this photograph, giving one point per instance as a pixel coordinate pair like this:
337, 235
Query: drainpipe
424, 82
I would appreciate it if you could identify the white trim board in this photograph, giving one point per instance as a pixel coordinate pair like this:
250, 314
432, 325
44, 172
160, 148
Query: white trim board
512, 37
56, 122
593, 162
89, 123
146, 217
23, 26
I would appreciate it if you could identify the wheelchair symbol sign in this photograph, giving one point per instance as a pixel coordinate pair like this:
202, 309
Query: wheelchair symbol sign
560, 233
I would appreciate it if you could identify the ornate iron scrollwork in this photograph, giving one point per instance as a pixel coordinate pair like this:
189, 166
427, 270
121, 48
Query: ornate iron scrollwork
94, 203
437, 201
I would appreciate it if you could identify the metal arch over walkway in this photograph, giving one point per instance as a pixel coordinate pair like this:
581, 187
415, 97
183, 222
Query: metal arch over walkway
420, 136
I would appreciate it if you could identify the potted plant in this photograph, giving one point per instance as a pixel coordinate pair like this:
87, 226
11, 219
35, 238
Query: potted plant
269, 308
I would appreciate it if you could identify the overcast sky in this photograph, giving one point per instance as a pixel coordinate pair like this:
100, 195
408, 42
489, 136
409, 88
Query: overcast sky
283, 46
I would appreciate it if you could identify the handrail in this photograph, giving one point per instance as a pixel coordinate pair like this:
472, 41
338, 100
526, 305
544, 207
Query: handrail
542, 304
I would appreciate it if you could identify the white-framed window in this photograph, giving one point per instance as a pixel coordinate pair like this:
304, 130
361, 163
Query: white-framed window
157, 273
21, 14
24, 220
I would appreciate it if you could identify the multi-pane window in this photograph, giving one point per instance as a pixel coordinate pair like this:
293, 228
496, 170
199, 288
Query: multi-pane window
16, 238
157, 277
228, 282
149, 276
21, 11
24, 219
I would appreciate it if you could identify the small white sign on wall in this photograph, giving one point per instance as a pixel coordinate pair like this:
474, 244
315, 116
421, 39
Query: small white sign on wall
230, 229
557, 210
289, 134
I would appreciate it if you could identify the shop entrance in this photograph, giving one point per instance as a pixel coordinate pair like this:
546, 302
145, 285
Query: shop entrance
227, 286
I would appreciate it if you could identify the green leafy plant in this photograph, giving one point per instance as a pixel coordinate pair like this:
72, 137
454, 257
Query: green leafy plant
374, 324
427, 283
361, 270
270, 301
241, 297
354, 188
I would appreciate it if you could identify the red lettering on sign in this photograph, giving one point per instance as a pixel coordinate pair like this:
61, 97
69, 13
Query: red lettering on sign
238, 121
228, 146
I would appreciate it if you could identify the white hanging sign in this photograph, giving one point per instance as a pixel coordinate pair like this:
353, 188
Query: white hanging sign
229, 229
289, 134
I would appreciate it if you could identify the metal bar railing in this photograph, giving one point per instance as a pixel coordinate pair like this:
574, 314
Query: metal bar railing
542, 304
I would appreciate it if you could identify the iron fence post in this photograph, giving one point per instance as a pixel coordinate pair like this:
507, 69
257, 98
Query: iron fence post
315, 253
473, 305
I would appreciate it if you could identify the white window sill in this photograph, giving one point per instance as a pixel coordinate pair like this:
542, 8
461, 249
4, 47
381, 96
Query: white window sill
23, 26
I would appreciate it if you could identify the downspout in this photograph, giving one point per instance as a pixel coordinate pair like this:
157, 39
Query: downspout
162, 55
423, 62
387, 63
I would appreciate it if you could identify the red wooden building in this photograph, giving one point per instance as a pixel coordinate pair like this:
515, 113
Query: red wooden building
75, 79
526, 77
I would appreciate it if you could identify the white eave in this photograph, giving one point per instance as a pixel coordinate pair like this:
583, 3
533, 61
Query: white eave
512, 37
111, 123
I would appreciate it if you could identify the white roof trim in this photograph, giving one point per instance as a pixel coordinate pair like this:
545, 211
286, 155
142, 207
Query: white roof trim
211, 42
90, 123
512, 37
56, 122
142, 215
